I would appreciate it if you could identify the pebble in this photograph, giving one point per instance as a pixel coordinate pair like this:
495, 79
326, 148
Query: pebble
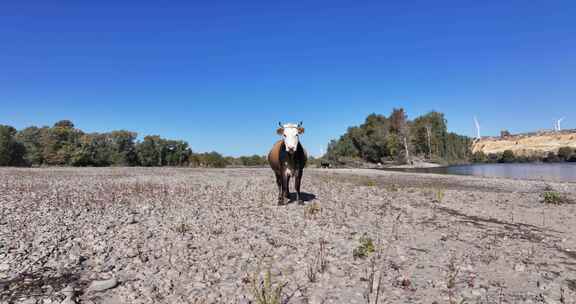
68, 300
98, 286
4, 267
68, 291
131, 253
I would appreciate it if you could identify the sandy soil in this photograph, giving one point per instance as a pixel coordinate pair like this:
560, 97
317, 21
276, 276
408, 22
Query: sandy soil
416, 164
528, 145
134, 235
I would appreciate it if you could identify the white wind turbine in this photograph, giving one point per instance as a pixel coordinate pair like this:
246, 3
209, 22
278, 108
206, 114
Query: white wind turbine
557, 126
477, 127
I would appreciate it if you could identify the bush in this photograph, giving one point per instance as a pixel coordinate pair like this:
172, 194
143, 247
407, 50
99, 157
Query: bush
494, 157
479, 157
551, 157
508, 157
565, 153
210, 160
552, 198
11, 151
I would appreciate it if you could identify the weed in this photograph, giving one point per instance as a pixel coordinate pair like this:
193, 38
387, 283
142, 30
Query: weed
370, 278
439, 195
365, 248
311, 272
365, 181
182, 228
312, 210
392, 188
395, 225
319, 264
322, 261
451, 276
552, 198
264, 291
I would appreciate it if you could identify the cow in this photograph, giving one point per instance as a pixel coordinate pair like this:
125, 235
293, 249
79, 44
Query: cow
288, 159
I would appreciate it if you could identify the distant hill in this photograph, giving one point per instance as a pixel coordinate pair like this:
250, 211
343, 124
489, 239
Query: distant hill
536, 144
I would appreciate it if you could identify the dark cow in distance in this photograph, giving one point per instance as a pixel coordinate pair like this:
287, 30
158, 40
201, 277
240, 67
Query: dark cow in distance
288, 159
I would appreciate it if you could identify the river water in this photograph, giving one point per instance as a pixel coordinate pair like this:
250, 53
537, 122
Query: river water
560, 172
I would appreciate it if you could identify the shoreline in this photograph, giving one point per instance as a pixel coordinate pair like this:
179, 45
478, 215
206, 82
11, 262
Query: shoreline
453, 181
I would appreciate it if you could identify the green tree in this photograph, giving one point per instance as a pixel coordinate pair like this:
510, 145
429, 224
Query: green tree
479, 157
31, 139
177, 152
123, 148
150, 151
62, 144
342, 148
429, 134
396, 138
508, 157
95, 149
458, 147
252, 161
565, 153
399, 139
156, 151
64, 124
59, 143
209, 160
11, 151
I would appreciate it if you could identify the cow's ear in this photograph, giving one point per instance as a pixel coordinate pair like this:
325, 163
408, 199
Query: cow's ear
300, 130
280, 131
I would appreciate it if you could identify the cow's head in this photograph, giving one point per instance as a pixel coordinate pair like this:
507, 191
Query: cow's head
290, 133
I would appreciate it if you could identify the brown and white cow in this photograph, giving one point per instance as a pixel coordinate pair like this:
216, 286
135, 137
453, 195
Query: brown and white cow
288, 159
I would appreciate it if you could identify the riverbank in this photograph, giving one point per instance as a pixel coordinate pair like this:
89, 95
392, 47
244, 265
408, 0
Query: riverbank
549, 172
166, 235
416, 165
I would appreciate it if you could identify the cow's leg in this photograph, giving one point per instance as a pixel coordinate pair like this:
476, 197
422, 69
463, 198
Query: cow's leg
287, 194
297, 184
285, 180
280, 193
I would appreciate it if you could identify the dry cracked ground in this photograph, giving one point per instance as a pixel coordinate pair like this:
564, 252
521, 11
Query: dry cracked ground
164, 235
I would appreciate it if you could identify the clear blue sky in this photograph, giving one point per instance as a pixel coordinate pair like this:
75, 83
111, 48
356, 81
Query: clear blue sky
221, 74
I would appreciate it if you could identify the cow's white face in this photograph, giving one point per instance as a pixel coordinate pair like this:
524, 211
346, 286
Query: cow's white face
290, 134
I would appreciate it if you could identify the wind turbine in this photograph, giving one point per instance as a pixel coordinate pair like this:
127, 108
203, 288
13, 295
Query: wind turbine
477, 127
558, 127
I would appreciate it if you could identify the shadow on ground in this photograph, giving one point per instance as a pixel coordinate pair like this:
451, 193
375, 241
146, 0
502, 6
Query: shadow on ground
40, 283
306, 197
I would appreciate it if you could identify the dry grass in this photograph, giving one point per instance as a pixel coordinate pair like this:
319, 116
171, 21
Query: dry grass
319, 262
312, 210
264, 290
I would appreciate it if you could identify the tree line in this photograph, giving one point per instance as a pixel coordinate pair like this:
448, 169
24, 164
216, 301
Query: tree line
564, 154
394, 138
64, 145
